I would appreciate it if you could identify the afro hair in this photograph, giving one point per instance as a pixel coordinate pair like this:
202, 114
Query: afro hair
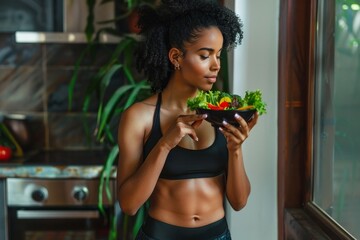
175, 22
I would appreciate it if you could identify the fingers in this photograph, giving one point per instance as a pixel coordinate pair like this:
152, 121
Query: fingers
191, 118
197, 123
253, 120
243, 125
186, 129
240, 133
189, 123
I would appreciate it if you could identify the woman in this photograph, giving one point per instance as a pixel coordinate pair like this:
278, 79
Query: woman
168, 154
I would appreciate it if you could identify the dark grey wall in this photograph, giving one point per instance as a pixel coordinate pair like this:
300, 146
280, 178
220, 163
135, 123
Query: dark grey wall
34, 80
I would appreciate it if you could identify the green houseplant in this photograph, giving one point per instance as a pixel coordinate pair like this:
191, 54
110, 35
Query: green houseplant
134, 88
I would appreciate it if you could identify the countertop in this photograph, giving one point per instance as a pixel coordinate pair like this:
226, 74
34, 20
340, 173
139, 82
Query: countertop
57, 164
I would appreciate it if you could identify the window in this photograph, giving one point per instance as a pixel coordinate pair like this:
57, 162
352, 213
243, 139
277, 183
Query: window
336, 114
318, 112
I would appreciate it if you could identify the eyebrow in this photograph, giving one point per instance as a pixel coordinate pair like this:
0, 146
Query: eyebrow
208, 49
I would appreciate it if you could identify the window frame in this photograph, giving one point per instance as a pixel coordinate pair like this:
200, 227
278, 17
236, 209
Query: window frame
296, 85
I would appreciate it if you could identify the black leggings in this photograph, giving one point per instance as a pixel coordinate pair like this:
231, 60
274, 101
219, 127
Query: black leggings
157, 230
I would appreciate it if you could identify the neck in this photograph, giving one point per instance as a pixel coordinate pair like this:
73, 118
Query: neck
175, 96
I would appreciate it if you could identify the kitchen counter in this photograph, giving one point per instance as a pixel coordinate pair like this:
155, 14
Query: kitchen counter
57, 164
53, 171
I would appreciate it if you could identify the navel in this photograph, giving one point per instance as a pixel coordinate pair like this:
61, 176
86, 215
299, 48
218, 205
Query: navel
196, 218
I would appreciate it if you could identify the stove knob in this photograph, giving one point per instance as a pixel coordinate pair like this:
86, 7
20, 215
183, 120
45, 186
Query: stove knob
80, 193
39, 195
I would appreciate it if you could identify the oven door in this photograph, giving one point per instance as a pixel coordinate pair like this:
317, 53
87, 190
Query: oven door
57, 209
39, 223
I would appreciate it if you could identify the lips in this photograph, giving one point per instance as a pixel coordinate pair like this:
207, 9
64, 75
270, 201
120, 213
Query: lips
211, 79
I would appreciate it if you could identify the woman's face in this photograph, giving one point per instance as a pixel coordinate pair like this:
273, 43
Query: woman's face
200, 64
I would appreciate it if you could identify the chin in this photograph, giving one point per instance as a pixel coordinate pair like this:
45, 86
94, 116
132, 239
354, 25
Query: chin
207, 87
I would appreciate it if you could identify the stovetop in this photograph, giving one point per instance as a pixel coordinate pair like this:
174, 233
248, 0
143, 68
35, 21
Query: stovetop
68, 157
57, 164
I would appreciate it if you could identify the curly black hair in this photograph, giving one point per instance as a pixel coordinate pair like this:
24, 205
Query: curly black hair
175, 22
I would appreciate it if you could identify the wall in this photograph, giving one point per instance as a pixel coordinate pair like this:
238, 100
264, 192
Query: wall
34, 80
255, 67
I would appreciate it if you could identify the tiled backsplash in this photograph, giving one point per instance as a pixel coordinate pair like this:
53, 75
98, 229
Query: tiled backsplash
34, 80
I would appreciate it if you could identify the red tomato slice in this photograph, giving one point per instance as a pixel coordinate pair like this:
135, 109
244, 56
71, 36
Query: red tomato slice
214, 107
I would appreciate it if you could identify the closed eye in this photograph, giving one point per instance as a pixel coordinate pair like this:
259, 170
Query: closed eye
206, 57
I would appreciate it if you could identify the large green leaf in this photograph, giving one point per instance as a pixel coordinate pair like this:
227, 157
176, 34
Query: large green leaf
92, 88
139, 219
89, 48
104, 83
105, 177
103, 76
90, 27
129, 75
110, 106
133, 95
109, 135
113, 102
125, 42
125, 226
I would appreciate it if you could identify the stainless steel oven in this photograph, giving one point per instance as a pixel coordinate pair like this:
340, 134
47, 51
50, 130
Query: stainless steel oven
44, 209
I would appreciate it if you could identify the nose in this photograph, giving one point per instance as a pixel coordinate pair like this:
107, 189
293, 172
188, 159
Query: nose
215, 64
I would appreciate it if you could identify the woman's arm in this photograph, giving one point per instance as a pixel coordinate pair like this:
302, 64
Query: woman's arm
136, 179
237, 182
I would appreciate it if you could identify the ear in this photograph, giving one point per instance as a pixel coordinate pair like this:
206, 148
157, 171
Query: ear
175, 55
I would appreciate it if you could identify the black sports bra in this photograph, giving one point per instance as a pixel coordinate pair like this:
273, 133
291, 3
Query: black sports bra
182, 163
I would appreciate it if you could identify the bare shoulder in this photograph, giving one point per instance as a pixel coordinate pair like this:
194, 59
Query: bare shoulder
139, 115
141, 109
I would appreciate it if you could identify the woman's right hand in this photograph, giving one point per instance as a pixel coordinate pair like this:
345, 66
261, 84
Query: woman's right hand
185, 125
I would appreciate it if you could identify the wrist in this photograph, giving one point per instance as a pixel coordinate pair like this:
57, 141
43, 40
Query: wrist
164, 146
235, 153
235, 149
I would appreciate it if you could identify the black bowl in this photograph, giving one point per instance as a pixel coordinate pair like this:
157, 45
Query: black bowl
216, 117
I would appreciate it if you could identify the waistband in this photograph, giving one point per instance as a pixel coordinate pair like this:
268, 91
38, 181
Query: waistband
160, 230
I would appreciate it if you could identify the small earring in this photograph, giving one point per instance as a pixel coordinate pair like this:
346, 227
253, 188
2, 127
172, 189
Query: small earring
177, 66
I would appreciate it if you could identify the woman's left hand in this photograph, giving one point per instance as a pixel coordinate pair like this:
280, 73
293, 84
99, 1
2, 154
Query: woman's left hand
235, 136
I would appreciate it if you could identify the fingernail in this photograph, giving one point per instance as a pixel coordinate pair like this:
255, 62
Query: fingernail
205, 116
196, 139
224, 122
237, 116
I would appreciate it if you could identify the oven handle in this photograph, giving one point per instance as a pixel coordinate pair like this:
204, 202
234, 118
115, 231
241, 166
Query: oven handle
56, 214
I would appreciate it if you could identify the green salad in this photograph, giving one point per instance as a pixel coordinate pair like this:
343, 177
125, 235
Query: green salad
217, 100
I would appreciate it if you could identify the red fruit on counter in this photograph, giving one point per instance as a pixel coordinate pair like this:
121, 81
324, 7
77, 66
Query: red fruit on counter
5, 153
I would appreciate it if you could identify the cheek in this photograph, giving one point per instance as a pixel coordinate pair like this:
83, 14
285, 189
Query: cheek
194, 66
